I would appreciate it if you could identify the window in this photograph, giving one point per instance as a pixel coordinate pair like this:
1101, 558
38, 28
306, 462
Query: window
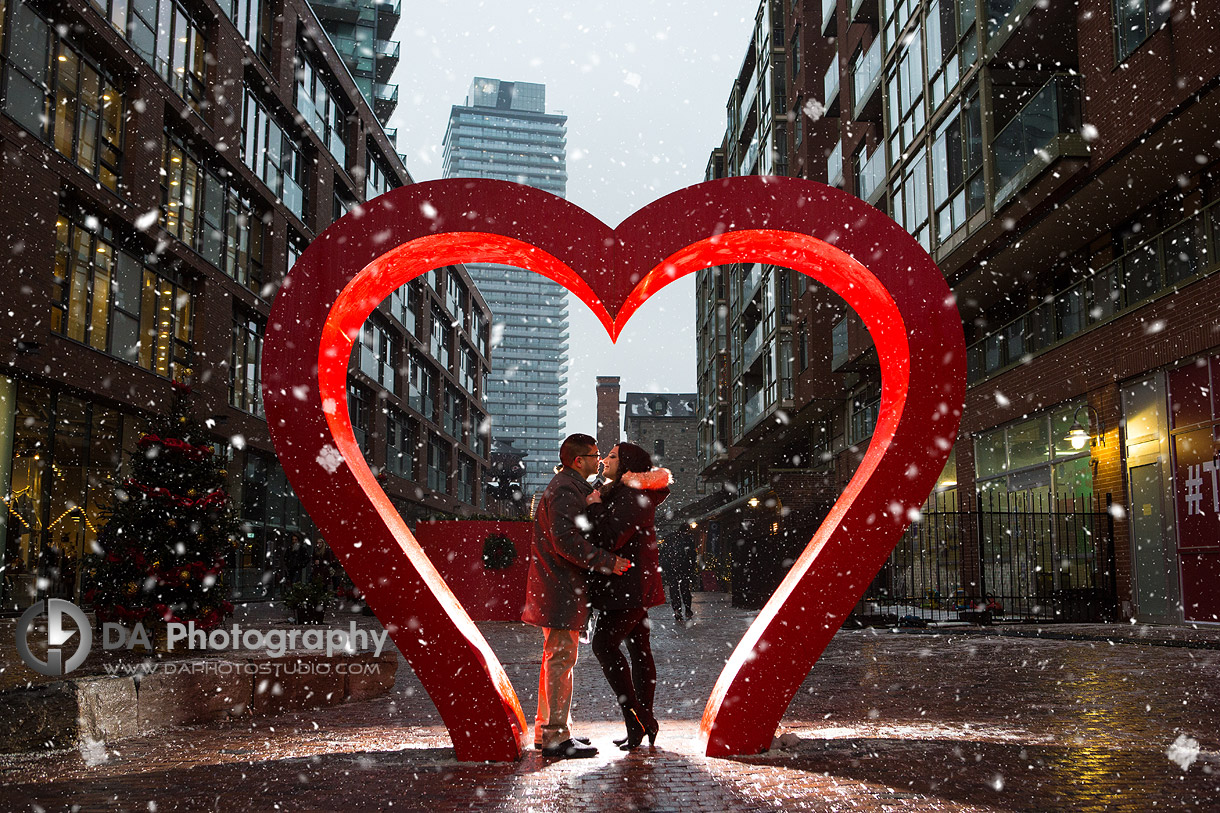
1135, 21
864, 411
361, 416
465, 485
952, 46
441, 338
377, 177
957, 168
477, 332
452, 419
401, 435
905, 94
165, 36
796, 54
469, 368
204, 210
438, 464
296, 247
245, 365
911, 199
455, 295
253, 19
480, 430
320, 107
272, 154
376, 352
56, 92
421, 386
343, 201
404, 305
108, 299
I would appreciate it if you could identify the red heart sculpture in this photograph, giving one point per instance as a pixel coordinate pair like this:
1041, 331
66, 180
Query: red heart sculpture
849, 246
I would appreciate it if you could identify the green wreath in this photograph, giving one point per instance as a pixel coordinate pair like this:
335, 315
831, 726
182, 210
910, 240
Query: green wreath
499, 552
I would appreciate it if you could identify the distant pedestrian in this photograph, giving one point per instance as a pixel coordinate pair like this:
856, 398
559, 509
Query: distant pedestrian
678, 563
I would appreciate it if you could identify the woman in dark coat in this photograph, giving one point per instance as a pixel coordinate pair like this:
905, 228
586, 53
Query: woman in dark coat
623, 515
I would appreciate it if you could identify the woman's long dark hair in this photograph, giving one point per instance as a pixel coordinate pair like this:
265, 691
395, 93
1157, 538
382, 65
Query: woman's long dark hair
631, 459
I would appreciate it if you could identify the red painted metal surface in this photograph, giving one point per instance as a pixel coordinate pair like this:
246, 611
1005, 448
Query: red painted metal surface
456, 550
849, 246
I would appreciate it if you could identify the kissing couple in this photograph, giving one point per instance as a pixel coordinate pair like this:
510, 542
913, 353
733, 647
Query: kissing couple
596, 548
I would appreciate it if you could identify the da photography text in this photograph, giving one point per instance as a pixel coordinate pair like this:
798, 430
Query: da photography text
275, 642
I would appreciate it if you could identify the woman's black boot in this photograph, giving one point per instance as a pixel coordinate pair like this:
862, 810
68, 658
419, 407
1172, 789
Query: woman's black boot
636, 729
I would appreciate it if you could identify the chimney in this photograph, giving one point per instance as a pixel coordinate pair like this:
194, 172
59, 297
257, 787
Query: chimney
608, 421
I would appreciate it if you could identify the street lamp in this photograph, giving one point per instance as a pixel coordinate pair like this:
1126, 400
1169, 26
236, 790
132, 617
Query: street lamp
1078, 435
753, 502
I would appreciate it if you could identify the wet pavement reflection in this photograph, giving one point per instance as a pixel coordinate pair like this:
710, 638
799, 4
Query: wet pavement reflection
948, 720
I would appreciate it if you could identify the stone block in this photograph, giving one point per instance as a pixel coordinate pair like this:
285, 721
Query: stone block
191, 692
368, 676
106, 708
293, 683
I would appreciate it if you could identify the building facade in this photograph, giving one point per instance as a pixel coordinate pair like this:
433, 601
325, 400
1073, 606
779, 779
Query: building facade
163, 167
665, 425
504, 132
362, 31
1065, 184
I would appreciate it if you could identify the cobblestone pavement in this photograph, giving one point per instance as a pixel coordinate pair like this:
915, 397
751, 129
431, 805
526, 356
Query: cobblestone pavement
949, 721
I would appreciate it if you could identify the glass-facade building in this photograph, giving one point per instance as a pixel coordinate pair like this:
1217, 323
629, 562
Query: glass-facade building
504, 132
1080, 242
175, 166
362, 32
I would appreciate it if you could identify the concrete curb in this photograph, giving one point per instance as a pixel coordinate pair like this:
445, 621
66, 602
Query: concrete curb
83, 711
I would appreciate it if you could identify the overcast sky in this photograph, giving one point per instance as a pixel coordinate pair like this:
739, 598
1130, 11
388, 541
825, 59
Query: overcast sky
644, 86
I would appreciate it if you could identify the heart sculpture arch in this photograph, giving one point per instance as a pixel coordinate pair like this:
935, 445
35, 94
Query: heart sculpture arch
858, 252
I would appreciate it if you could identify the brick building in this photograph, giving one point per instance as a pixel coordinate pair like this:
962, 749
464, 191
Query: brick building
1065, 185
163, 166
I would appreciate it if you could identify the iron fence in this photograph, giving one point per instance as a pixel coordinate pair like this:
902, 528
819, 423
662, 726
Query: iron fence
1014, 556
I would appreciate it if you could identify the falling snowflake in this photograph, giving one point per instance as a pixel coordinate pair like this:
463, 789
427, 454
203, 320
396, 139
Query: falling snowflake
1184, 751
813, 109
330, 459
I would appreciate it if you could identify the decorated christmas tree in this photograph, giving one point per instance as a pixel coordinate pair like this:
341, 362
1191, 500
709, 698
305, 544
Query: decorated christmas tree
162, 549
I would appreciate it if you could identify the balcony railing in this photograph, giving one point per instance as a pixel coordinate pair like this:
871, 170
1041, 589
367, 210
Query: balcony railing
1164, 260
751, 156
830, 84
750, 284
753, 343
743, 109
1030, 140
753, 409
866, 76
834, 165
872, 176
385, 93
387, 49
829, 9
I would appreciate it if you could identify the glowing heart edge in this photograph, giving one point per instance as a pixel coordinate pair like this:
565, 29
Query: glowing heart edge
863, 290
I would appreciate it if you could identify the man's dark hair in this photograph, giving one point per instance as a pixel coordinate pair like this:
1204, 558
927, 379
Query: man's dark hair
575, 446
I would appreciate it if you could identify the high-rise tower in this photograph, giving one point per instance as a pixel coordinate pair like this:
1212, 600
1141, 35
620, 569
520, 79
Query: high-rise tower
504, 132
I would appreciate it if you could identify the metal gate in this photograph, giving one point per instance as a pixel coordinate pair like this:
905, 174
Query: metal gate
1014, 556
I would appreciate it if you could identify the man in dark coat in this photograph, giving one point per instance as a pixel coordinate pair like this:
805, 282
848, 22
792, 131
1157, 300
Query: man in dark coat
556, 595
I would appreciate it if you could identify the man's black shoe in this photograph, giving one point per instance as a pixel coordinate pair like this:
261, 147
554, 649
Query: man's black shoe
582, 740
570, 749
